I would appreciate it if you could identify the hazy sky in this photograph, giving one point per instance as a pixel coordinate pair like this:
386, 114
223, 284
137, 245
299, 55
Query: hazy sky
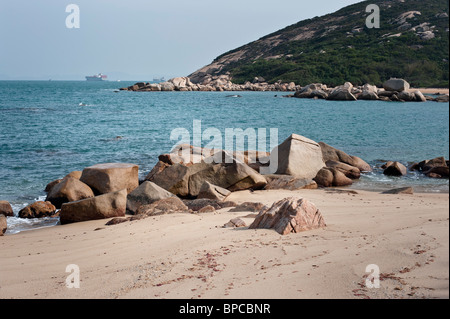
136, 39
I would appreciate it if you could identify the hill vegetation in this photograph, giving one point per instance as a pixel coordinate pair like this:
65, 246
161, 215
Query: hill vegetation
411, 43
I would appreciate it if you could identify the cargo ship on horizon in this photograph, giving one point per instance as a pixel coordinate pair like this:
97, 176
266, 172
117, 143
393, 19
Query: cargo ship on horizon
97, 77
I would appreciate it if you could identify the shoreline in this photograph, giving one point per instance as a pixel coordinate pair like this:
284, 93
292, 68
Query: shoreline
169, 256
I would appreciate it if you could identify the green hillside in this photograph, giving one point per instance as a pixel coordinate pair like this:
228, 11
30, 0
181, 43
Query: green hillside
411, 43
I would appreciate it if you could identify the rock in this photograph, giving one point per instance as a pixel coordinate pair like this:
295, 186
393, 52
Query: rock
117, 221
69, 190
288, 183
235, 223
444, 98
332, 177
311, 91
175, 178
419, 97
167, 86
206, 210
6, 209
395, 84
433, 163
38, 210
197, 204
74, 174
214, 192
298, 156
324, 178
342, 93
363, 166
290, 215
164, 206
340, 179
438, 172
111, 177
348, 170
3, 224
387, 164
52, 184
396, 169
407, 96
249, 207
105, 206
403, 190
367, 95
146, 194
234, 177
330, 153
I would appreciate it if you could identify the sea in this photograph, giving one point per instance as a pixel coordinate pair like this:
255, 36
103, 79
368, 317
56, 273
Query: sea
50, 128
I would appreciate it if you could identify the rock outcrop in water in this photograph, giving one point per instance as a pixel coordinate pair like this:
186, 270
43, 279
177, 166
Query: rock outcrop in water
394, 89
434, 168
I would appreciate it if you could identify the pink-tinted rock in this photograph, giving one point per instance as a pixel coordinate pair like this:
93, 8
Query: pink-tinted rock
290, 215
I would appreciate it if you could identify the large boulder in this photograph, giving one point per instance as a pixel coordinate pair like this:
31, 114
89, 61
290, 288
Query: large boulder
290, 215
186, 181
5, 208
3, 224
342, 93
332, 177
210, 191
234, 176
438, 172
100, 207
69, 190
146, 194
395, 169
330, 153
351, 172
38, 210
298, 156
397, 85
162, 207
175, 178
111, 177
288, 182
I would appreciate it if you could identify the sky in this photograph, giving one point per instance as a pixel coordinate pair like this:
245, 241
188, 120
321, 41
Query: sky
136, 40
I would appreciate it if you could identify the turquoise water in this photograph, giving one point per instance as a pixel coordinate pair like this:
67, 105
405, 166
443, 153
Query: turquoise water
45, 133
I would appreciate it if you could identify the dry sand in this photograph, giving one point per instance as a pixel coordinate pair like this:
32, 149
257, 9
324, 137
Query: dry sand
191, 256
430, 90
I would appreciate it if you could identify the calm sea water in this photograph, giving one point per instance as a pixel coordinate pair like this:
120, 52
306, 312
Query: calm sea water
45, 133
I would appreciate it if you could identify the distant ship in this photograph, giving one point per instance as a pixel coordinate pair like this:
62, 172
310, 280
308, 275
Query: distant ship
158, 79
97, 77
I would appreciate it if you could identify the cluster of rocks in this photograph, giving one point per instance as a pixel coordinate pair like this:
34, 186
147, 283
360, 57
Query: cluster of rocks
212, 84
397, 90
198, 180
434, 168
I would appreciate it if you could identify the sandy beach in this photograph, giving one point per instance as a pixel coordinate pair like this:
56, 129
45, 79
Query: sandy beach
431, 90
192, 256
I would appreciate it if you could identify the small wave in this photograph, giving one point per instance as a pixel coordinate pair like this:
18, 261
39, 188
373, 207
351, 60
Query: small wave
17, 225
